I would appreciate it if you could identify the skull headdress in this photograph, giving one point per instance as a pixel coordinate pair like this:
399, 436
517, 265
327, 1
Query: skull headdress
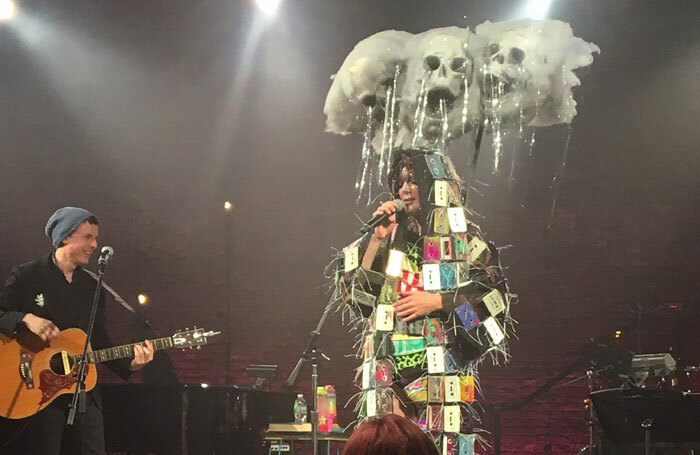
526, 70
435, 98
363, 81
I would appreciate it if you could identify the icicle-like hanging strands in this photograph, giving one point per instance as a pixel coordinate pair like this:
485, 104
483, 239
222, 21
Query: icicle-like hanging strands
364, 174
556, 180
444, 130
385, 137
419, 116
465, 101
389, 130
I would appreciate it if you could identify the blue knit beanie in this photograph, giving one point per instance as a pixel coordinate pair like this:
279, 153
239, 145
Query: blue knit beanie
63, 222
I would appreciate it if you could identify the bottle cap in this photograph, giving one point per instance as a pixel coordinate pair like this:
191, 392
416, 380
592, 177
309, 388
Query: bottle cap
300, 395
320, 391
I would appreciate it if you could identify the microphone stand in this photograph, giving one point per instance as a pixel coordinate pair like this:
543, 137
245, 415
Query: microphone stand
79, 394
311, 353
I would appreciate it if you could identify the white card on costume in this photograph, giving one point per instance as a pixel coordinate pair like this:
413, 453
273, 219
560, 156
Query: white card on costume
384, 318
494, 330
351, 258
494, 302
371, 397
452, 389
395, 263
441, 190
436, 359
475, 247
366, 374
452, 418
431, 277
457, 218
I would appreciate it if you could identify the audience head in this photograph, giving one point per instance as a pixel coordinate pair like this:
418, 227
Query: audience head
389, 435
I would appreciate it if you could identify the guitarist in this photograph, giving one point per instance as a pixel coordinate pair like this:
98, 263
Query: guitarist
52, 294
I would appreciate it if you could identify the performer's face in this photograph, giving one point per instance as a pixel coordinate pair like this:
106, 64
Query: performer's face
408, 191
81, 243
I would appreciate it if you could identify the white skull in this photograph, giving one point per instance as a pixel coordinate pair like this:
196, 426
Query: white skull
362, 81
514, 79
526, 70
438, 60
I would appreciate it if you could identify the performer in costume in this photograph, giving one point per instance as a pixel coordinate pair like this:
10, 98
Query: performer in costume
52, 294
423, 331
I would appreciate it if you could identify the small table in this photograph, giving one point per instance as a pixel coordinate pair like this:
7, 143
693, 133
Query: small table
290, 439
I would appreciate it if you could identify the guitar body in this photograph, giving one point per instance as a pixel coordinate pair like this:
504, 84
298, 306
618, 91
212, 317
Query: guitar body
33, 374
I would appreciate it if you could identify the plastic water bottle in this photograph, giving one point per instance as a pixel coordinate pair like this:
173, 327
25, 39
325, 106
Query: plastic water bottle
300, 409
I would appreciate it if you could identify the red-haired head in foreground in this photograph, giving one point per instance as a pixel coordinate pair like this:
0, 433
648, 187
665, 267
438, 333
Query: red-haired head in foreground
389, 435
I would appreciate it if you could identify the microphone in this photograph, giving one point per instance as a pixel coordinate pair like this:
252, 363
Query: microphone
379, 219
105, 255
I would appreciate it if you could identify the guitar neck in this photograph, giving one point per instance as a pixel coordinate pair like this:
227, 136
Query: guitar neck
126, 350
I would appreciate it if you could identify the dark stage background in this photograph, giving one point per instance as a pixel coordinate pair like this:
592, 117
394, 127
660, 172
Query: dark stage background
152, 113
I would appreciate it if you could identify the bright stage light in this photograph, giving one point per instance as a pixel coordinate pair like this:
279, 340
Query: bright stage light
534, 9
7, 9
268, 7
228, 206
143, 299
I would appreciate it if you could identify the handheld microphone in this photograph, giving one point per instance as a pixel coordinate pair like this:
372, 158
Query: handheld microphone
379, 219
105, 255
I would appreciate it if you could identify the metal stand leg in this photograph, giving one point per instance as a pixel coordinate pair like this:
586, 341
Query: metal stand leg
646, 424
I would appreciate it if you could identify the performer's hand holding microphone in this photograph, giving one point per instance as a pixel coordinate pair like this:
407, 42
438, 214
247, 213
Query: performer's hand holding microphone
384, 219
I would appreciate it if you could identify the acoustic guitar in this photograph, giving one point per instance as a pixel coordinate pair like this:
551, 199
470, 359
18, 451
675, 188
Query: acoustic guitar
33, 374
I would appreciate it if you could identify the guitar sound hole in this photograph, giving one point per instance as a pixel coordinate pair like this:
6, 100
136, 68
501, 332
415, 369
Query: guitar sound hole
56, 363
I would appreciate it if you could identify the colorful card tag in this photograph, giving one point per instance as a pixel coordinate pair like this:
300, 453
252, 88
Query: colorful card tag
494, 329
383, 373
457, 218
494, 302
385, 401
454, 194
467, 315
405, 344
351, 258
410, 281
452, 418
462, 273
446, 248
467, 388
431, 277
453, 391
371, 400
448, 276
476, 246
460, 246
432, 247
466, 444
432, 331
450, 444
436, 359
436, 393
441, 222
435, 421
435, 165
418, 390
384, 319
441, 193
395, 263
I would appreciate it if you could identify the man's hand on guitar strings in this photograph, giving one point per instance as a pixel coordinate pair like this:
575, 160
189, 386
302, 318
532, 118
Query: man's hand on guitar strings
43, 328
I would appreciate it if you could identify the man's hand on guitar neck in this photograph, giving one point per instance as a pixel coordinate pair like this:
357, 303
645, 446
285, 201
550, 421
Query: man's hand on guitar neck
43, 328
142, 355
